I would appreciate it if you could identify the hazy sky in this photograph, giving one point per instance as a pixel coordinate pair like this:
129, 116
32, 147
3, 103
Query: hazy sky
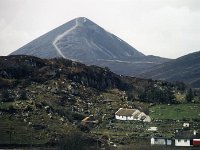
167, 28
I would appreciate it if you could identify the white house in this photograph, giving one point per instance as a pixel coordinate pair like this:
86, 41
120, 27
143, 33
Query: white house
131, 114
182, 142
160, 141
125, 114
183, 138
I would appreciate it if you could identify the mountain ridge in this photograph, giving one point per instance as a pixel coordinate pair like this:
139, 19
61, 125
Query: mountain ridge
185, 69
82, 40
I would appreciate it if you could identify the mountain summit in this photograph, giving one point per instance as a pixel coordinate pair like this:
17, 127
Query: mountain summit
79, 39
82, 40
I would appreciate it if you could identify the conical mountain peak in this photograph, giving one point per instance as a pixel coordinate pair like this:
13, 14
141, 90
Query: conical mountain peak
82, 40
83, 21
79, 39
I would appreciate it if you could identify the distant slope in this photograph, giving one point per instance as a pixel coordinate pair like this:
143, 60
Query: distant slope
185, 68
82, 40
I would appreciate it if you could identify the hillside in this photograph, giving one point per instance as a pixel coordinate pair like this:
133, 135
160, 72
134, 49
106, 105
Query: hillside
44, 100
185, 69
82, 40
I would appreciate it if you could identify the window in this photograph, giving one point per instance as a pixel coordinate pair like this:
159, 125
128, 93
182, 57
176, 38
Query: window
185, 140
179, 140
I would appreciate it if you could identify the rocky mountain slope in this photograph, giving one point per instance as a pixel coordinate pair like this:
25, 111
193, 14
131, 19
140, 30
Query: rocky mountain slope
84, 41
42, 100
15, 70
185, 68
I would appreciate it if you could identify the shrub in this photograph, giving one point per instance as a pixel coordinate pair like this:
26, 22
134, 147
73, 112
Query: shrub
23, 95
6, 96
75, 141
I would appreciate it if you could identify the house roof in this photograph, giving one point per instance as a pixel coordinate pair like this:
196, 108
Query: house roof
160, 138
90, 119
125, 112
186, 135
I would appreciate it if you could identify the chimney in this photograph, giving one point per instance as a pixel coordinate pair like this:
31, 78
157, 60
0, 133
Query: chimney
195, 132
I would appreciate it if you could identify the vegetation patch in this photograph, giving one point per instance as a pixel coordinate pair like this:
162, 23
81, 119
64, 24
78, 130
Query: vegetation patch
175, 111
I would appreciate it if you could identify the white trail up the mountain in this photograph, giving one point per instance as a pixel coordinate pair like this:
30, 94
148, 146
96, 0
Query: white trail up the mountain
61, 36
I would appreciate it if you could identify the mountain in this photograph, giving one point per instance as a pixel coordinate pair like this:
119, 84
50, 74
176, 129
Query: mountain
82, 40
185, 68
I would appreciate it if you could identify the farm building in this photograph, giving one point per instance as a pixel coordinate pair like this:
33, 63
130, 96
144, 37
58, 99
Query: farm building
161, 141
182, 138
196, 142
196, 139
187, 138
152, 129
90, 120
186, 125
131, 114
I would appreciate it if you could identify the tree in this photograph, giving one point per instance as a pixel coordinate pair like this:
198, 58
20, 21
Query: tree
6, 97
189, 96
23, 95
158, 95
74, 141
84, 128
180, 86
5, 94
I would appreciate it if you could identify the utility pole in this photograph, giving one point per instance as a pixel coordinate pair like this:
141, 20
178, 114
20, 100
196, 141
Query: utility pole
31, 138
10, 132
97, 145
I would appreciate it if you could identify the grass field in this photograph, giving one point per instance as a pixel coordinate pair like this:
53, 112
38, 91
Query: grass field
176, 112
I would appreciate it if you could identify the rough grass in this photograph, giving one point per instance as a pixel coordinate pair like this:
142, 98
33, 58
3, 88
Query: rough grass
5, 105
19, 133
176, 112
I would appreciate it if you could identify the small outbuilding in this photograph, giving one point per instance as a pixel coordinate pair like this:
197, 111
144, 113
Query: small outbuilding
161, 141
152, 129
90, 120
196, 142
186, 125
196, 139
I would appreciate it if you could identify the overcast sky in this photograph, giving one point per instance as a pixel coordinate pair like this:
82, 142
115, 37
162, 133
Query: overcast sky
167, 28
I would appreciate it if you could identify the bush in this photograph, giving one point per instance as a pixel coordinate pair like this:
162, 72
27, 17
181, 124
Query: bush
84, 128
6, 96
196, 119
75, 141
23, 95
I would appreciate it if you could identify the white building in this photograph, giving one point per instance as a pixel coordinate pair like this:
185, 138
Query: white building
160, 141
153, 129
182, 142
125, 114
186, 125
131, 114
183, 138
